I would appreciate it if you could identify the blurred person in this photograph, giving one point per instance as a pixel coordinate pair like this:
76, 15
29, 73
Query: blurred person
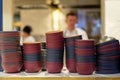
71, 30
26, 33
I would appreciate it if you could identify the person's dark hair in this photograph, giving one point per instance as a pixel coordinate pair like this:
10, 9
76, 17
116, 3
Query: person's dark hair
27, 29
71, 14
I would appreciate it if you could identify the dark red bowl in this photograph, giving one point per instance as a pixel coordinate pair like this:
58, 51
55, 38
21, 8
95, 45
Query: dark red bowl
12, 68
107, 50
56, 44
85, 51
55, 39
50, 33
31, 47
17, 59
32, 52
71, 65
54, 67
9, 34
84, 42
109, 45
32, 66
5, 43
55, 47
71, 42
11, 54
85, 68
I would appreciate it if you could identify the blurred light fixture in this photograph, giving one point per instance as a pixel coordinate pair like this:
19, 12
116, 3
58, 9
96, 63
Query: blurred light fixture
17, 24
55, 18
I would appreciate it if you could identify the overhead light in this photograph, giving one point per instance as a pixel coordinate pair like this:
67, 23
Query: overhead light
55, 17
56, 1
48, 2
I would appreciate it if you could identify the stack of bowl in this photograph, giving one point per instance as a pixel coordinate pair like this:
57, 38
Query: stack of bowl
70, 53
55, 50
0, 63
108, 57
85, 61
10, 51
119, 57
32, 60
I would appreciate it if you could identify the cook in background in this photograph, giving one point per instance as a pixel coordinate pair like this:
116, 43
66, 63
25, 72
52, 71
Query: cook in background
26, 33
71, 30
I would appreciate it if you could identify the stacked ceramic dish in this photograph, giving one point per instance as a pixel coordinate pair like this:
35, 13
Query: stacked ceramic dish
10, 51
108, 57
32, 57
85, 61
55, 50
0, 63
70, 53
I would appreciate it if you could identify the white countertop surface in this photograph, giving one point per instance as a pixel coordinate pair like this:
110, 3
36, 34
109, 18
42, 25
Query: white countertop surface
62, 74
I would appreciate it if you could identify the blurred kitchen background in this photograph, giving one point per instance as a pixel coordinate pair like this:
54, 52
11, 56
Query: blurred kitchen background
47, 15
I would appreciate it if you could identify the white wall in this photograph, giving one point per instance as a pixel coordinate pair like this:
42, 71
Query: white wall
39, 19
112, 18
7, 15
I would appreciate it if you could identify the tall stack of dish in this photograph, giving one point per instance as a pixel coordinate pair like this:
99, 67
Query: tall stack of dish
108, 57
55, 50
0, 63
32, 57
85, 61
70, 53
10, 51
